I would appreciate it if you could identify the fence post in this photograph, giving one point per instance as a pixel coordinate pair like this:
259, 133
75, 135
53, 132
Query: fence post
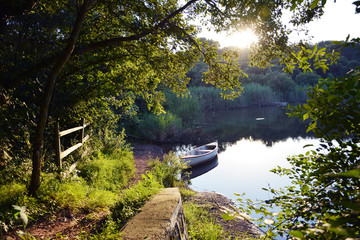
83, 130
57, 145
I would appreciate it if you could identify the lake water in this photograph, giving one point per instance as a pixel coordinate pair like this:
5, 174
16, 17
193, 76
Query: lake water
251, 142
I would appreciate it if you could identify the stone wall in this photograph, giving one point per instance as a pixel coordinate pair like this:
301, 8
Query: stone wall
161, 218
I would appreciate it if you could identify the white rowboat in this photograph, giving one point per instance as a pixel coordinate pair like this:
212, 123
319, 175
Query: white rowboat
201, 154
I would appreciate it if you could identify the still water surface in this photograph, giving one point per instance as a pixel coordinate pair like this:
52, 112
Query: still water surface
251, 142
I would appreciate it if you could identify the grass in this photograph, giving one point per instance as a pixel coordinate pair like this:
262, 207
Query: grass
109, 172
200, 224
93, 187
132, 199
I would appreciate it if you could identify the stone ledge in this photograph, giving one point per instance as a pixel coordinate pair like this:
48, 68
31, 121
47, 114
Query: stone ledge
161, 218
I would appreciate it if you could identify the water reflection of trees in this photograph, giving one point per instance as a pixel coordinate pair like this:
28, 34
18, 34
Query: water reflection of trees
231, 126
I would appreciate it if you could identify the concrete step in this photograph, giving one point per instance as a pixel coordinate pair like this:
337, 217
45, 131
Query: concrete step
161, 218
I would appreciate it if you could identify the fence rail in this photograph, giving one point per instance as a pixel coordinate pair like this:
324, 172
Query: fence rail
58, 134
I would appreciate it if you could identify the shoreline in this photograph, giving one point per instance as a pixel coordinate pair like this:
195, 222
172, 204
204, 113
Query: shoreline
218, 202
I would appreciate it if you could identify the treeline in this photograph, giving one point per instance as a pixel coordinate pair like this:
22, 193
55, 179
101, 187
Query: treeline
262, 87
273, 84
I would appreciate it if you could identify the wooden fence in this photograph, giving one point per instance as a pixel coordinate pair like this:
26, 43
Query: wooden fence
58, 134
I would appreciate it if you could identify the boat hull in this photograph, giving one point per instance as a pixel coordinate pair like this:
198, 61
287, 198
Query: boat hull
198, 170
201, 154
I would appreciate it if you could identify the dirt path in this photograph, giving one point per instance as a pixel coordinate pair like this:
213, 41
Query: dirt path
142, 154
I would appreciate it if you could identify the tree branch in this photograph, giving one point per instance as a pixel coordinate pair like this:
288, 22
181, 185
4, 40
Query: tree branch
118, 41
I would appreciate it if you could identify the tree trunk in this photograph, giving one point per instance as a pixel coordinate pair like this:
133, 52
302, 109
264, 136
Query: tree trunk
48, 92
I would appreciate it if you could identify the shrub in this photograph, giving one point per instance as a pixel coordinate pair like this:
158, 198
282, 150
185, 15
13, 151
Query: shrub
108, 172
168, 172
187, 108
158, 127
100, 199
71, 195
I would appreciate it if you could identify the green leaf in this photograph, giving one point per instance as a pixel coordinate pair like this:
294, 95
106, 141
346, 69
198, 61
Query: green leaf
307, 107
297, 234
311, 127
354, 173
227, 216
305, 116
305, 189
307, 145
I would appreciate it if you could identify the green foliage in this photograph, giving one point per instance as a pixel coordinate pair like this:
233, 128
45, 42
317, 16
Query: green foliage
110, 230
168, 171
282, 84
196, 74
208, 97
73, 194
158, 127
10, 195
108, 172
132, 199
199, 223
162, 174
103, 176
50, 49
256, 95
69, 195
187, 108
186, 193
307, 79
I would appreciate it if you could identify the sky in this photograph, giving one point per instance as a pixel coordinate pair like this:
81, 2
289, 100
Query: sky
338, 21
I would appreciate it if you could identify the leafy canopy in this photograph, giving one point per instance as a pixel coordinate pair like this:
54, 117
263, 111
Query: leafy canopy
67, 58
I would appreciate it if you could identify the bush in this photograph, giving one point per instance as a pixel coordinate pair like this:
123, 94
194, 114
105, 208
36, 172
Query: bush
158, 127
186, 108
168, 172
257, 95
100, 199
102, 178
108, 172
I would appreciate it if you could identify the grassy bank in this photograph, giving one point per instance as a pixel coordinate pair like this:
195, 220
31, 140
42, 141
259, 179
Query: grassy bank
204, 213
98, 184
93, 186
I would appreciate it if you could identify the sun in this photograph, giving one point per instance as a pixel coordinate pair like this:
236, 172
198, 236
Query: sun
241, 39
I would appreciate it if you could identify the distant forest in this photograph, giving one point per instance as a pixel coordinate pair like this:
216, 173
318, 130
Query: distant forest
272, 84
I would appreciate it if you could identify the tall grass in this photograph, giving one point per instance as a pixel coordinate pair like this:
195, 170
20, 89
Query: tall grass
132, 199
187, 108
168, 172
108, 172
199, 223
158, 127
93, 186
254, 95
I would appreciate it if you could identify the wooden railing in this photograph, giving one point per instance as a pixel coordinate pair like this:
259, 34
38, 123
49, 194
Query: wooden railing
58, 134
